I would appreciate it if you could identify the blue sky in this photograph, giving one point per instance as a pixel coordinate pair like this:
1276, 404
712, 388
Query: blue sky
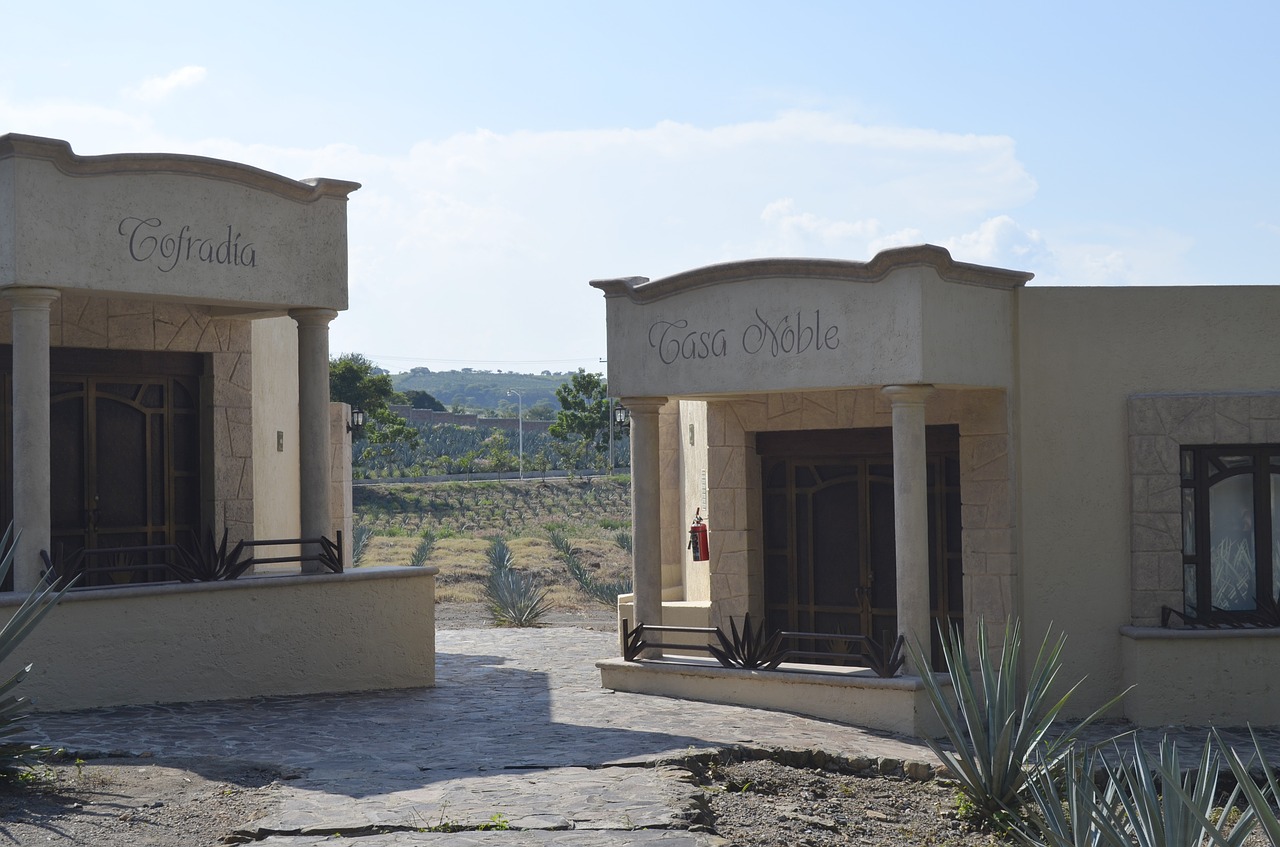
512, 151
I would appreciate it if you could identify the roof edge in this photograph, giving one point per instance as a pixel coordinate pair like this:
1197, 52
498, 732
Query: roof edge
62, 157
640, 289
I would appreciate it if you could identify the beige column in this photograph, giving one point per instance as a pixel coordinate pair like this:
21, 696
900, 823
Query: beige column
30, 430
911, 511
313, 426
646, 508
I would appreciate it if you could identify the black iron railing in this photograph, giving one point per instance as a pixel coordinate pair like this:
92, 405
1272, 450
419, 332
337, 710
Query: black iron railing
108, 567
328, 554
1265, 616
753, 649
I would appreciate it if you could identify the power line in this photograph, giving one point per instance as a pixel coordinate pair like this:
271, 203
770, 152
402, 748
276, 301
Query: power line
379, 357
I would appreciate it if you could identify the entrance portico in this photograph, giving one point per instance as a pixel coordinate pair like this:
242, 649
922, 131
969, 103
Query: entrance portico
835, 356
164, 352
144, 257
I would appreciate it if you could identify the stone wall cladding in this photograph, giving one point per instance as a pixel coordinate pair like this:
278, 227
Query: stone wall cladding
1159, 426
986, 490
76, 320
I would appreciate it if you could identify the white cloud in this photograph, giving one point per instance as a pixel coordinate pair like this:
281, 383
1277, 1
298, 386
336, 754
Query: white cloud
899, 238
1001, 242
158, 88
1125, 257
480, 245
794, 230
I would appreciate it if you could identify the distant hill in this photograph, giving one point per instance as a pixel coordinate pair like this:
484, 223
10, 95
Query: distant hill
474, 390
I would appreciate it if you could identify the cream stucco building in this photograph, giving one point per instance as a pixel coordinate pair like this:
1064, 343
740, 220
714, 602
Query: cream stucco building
164, 327
882, 446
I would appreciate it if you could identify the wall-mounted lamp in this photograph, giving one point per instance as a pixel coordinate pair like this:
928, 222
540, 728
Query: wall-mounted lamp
621, 415
356, 424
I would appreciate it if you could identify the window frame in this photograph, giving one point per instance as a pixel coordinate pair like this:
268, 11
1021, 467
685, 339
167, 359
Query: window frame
1200, 468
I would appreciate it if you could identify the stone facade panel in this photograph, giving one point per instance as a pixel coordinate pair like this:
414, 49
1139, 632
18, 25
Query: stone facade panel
1159, 426
820, 410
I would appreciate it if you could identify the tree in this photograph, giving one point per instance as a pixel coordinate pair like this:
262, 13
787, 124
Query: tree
423, 400
355, 380
540, 411
583, 417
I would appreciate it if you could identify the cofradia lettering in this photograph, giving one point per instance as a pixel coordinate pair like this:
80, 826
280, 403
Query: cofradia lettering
673, 340
149, 243
783, 337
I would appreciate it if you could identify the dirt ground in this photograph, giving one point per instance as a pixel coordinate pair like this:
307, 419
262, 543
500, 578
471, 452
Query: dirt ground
152, 803
136, 803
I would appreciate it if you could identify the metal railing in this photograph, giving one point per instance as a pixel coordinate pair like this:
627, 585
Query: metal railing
753, 650
328, 554
114, 567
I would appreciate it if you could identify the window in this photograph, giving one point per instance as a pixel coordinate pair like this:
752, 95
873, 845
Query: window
1230, 535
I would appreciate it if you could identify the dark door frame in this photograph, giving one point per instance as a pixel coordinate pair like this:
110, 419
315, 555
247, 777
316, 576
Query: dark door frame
81, 372
861, 458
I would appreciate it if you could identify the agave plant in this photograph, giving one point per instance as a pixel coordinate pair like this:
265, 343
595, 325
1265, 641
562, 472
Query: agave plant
1145, 803
1165, 807
998, 735
16, 757
515, 598
426, 544
207, 561
607, 592
749, 649
360, 536
886, 663
1262, 801
1069, 809
499, 555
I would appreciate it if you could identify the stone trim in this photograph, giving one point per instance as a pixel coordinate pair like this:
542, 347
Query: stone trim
641, 290
59, 153
1159, 426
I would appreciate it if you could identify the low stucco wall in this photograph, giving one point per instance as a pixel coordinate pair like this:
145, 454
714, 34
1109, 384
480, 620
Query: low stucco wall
362, 630
854, 697
1222, 677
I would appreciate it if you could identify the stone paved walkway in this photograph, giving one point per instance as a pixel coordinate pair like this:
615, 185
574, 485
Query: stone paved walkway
517, 727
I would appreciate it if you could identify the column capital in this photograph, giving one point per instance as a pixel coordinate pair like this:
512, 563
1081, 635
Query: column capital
643, 405
30, 297
907, 395
313, 317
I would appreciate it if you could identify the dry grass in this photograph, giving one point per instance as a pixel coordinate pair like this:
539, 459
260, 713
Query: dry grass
468, 515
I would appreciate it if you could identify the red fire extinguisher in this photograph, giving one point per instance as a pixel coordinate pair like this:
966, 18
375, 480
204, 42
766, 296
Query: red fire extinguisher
698, 538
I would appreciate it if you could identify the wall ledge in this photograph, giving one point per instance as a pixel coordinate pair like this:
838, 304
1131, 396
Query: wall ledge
244, 583
1159, 633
